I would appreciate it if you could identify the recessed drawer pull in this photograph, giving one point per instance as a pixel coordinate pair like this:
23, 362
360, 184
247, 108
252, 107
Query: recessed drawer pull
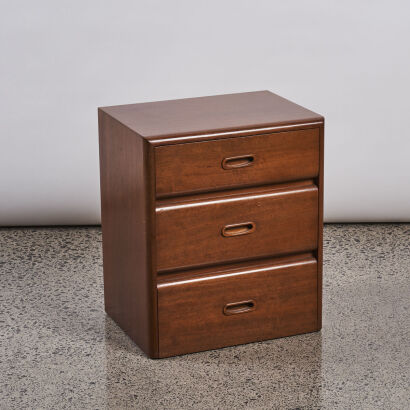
238, 229
238, 162
239, 307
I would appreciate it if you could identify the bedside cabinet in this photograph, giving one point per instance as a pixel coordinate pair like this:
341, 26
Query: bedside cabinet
212, 213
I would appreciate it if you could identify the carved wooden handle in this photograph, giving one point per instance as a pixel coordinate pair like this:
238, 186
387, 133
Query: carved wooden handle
239, 307
238, 162
238, 229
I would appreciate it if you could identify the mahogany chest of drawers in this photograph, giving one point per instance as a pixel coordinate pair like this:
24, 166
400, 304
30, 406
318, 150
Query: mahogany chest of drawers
212, 220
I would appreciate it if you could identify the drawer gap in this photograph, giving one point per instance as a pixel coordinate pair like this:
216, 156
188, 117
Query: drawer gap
164, 199
221, 269
236, 192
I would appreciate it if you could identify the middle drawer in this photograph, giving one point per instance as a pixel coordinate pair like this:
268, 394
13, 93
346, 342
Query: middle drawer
252, 223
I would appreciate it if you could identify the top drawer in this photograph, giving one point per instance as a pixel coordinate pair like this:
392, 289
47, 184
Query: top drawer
236, 162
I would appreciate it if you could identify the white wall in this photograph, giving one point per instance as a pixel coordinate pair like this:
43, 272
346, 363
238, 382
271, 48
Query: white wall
59, 60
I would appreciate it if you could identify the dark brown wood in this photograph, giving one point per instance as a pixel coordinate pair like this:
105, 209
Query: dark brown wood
126, 216
274, 301
184, 139
239, 161
260, 159
205, 115
212, 218
170, 276
237, 229
319, 255
190, 233
244, 306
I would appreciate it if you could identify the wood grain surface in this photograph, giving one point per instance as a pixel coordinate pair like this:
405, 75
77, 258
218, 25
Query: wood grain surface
271, 301
189, 233
126, 220
212, 219
219, 113
259, 159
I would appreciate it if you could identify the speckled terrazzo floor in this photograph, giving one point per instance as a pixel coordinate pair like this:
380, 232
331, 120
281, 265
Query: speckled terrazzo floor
59, 350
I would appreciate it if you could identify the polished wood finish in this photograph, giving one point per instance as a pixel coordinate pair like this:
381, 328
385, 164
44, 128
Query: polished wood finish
200, 271
319, 253
271, 222
126, 219
237, 306
212, 214
167, 120
237, 162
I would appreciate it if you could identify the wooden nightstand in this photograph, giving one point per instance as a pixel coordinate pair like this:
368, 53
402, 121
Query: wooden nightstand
212, 220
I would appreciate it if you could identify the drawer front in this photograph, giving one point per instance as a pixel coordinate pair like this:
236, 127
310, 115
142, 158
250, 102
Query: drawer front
237, 307
236, 162
229, 228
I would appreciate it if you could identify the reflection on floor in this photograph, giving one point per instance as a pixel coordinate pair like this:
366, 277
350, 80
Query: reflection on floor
59, 350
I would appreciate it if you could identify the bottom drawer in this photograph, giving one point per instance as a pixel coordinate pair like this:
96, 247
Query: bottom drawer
210, 310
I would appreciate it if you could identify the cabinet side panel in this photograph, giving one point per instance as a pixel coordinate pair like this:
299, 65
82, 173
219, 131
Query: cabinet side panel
320, 230
126, 226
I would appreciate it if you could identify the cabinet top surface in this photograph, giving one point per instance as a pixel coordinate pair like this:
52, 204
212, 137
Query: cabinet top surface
213, 114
